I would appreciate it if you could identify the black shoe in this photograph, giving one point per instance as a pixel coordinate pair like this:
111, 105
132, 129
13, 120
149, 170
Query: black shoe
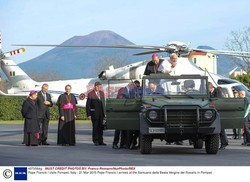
115, 147
123, 147
134, 147
244, 143
222, 147
179, 143
101, 143
96, 143
72, 144
247, 144
191, 142
45, 143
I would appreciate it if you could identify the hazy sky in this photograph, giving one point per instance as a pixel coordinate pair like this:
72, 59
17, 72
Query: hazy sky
140, 21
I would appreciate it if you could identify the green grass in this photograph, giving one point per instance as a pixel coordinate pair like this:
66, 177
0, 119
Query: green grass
51, 122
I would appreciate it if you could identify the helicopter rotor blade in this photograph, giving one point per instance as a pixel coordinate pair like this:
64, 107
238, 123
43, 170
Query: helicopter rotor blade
237, 55
14, 52
220, 51
169, 48
148, 52
94, 46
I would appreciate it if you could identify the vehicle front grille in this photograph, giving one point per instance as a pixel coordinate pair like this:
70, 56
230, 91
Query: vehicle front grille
177, 117
181, 118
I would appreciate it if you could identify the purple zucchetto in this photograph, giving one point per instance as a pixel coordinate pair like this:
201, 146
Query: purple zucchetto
155, 55
32, 92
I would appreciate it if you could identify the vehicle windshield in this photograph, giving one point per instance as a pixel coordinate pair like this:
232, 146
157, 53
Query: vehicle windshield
171, 87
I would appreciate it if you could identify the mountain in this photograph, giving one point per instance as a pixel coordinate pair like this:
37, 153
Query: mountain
81, 62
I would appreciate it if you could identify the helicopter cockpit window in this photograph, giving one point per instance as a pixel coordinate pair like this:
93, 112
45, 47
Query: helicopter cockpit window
158, 87
124, 89
102, 75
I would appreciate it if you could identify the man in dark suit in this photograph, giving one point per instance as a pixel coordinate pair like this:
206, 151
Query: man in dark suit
43, 104
96, 112
125, 136
212, 90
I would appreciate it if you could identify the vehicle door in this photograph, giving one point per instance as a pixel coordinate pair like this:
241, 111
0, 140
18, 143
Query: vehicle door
231, 111
122, 111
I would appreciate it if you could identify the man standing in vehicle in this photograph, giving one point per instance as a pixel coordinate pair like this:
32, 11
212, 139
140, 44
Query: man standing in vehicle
154, 65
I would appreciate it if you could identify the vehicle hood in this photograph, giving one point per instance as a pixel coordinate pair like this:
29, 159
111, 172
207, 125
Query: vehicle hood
158, 102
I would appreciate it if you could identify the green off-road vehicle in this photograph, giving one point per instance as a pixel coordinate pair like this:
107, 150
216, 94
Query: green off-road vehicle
173, 108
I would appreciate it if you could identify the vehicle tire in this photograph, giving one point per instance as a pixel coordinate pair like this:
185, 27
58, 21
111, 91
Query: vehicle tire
212, 144
146, 144
198, 144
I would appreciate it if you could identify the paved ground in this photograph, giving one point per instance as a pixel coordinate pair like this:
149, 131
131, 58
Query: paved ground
13, 153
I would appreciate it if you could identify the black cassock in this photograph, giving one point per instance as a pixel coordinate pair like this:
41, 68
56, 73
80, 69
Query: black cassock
31, 125
66, 129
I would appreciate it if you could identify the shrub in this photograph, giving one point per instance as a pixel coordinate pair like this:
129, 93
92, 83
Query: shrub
10, 109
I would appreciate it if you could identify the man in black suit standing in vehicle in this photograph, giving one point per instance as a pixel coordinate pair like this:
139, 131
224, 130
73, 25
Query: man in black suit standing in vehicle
96, 112
43, 104
153, 65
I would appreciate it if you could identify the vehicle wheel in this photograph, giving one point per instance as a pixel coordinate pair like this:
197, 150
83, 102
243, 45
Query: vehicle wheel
146, 144
198, 144
212, 144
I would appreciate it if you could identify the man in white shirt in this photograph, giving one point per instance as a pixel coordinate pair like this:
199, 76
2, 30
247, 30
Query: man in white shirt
170, 66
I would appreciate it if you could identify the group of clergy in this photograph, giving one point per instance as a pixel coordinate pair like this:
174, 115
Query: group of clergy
35, 111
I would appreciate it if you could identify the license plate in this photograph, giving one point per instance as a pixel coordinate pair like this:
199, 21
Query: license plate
156, 130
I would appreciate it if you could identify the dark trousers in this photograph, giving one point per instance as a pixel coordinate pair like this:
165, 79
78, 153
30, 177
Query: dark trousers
246, 134
236, 133
120, 135
132, 136
44, 126
97, 132
223, 137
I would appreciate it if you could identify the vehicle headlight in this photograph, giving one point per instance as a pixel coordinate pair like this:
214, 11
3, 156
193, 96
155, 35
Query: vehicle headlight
208, 114
152, 115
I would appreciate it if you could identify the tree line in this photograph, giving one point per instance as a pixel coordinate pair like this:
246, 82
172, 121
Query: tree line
245, 79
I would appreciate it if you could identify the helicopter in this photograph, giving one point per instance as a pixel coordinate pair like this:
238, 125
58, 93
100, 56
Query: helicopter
22, 83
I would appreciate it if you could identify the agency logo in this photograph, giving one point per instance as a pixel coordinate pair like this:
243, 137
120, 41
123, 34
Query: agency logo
7, 173
20, 173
